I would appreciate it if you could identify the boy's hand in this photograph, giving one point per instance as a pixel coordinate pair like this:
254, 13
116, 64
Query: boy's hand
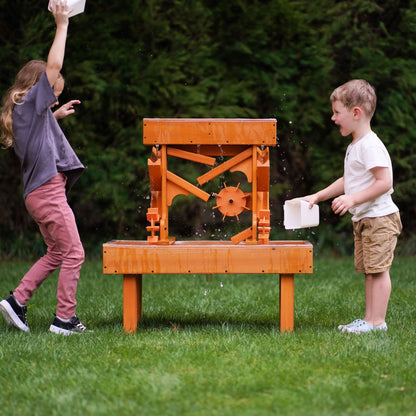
312, 199
342, 204
66, 109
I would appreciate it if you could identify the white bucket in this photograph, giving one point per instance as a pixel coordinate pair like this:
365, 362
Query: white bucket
298, 215
78, 6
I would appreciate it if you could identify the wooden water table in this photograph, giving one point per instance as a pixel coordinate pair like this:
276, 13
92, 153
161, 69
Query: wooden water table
231, 145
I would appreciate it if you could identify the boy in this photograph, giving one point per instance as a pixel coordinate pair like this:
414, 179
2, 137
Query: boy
365, 191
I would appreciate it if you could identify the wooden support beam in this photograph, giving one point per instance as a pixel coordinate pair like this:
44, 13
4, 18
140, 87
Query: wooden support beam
243, 235
225, 166
287, 302
132, 301
176, 185
194, 157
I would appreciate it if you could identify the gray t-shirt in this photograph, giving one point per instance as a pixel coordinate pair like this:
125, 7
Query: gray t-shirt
40, 144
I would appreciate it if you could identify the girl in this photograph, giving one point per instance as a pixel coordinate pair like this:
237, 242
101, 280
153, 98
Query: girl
49, 167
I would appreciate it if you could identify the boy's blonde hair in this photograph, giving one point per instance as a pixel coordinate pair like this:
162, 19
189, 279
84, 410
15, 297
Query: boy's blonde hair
26, 78
356, 93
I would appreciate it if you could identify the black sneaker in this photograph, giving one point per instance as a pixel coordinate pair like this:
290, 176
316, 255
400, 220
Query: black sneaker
73, 326
14, 314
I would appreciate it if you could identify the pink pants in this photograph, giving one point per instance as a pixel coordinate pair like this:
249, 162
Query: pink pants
48, 206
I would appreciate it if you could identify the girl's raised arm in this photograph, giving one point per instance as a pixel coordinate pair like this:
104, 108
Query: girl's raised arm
57, 52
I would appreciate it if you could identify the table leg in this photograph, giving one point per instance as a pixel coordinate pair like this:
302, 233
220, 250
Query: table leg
287, 302
132, 301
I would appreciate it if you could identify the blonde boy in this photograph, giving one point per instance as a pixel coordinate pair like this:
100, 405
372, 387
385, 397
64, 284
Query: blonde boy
365, 191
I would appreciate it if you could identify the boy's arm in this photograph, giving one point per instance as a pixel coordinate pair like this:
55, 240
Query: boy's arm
336, 188
57, 52
380, 186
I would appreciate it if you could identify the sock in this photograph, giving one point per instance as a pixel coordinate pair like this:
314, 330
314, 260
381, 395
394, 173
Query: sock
63, 319
17, 301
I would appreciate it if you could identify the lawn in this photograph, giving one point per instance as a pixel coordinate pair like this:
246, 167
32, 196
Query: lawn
213, 347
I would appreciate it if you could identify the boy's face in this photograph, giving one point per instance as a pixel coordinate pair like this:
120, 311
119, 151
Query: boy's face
57, 89
343, 117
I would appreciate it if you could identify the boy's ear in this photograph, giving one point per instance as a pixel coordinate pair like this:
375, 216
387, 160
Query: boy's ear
357, 112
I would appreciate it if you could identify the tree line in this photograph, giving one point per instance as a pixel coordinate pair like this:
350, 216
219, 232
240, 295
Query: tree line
132, 59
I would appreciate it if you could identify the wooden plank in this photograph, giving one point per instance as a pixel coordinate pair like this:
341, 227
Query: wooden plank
241, 236
182, 184
207, 257
213, 173
195, 157
208, 131
213, 149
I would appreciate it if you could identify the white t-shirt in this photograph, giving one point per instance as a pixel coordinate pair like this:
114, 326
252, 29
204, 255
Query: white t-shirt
365, 154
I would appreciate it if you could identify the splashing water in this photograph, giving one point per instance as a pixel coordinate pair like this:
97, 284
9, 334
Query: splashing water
221, 153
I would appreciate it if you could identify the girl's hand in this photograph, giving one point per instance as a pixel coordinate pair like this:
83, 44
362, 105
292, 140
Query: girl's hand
60, 11
66, 109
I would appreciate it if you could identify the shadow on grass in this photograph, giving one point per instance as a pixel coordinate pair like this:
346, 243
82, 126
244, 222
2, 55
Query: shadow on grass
205, 323
163, 321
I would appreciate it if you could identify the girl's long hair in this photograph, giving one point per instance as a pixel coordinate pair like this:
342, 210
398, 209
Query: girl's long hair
26, 78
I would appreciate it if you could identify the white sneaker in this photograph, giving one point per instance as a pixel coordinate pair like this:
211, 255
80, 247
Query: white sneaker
350, 325
382, 327
361, 328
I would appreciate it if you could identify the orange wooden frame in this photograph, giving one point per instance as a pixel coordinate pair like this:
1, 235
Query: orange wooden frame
245, 145
245, 141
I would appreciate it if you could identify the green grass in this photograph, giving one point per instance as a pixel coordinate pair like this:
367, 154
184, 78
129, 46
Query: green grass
213, 348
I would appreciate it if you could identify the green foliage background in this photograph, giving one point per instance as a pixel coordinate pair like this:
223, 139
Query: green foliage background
127, 60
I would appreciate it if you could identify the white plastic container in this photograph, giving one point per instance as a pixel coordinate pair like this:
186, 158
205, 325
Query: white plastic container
78, 6
298, 215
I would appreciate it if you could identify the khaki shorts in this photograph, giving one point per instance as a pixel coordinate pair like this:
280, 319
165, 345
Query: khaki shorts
374, 242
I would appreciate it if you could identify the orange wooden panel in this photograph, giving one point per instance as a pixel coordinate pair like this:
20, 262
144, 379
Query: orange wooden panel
209, 131
246, 167
155, 174
263, 176
219, 257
